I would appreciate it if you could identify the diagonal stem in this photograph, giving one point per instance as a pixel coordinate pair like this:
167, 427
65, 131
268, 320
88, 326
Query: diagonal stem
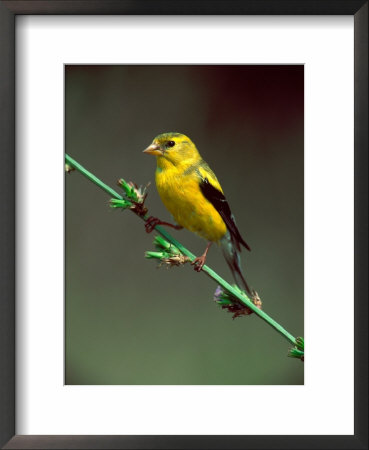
210, 272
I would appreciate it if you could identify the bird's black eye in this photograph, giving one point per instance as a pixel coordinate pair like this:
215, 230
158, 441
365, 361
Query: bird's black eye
170, 144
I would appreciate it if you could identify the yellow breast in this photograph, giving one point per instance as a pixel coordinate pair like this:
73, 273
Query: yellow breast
183, 198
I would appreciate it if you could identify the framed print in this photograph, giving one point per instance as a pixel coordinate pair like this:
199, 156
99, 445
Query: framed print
101, 349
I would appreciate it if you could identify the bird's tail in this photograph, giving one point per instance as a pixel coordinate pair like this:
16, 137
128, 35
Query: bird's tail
232, 256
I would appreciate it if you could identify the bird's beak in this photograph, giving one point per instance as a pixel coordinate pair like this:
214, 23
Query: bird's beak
154, 149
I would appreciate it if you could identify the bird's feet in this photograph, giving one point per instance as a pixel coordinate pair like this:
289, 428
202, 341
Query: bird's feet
151, 223
199, 262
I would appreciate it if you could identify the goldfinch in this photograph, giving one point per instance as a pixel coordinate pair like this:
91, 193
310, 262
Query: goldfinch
192, 194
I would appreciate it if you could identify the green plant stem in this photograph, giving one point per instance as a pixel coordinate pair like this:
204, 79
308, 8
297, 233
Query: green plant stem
206, 269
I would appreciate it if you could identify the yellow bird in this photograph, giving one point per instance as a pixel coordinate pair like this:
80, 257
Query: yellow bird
192, 194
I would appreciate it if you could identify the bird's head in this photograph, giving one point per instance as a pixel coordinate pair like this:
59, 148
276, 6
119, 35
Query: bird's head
173, 149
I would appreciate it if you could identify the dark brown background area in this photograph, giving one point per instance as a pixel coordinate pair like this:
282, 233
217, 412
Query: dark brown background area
128, 322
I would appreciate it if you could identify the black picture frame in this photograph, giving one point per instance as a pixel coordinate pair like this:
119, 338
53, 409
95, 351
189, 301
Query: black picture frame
8, 12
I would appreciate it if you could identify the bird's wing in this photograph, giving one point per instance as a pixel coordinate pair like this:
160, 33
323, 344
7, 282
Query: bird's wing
212, 191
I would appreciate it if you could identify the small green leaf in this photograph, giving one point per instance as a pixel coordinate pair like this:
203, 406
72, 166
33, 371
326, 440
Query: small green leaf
162, 243
129, 189
123, 204
300, 343
295, 353
156, 255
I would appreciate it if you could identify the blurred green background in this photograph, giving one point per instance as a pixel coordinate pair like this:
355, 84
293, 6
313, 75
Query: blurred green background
128, 322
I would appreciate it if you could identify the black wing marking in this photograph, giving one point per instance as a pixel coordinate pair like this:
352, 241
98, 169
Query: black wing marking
218, 200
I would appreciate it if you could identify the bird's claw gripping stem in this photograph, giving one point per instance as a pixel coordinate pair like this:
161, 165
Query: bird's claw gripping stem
199, 263
151, 223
